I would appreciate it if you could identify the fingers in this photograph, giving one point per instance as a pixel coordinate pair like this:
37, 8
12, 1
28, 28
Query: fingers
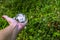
25, 22
7, 18
22, 25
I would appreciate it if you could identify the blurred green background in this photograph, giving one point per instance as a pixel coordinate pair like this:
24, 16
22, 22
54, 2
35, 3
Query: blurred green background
43, 18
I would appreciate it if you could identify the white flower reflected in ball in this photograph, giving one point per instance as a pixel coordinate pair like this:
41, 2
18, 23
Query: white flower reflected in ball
20, 18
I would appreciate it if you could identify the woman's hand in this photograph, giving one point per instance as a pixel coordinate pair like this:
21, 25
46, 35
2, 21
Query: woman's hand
13, 29
14, 23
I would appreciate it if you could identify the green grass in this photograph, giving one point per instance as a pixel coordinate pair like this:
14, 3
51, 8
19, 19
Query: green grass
43, 16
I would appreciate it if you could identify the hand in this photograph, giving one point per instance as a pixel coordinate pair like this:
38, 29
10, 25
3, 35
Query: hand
14, 23
16, 27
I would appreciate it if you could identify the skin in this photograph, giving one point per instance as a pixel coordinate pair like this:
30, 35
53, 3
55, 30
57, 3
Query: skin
11, 31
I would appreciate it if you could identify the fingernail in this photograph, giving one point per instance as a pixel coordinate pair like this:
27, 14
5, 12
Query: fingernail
2, 17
